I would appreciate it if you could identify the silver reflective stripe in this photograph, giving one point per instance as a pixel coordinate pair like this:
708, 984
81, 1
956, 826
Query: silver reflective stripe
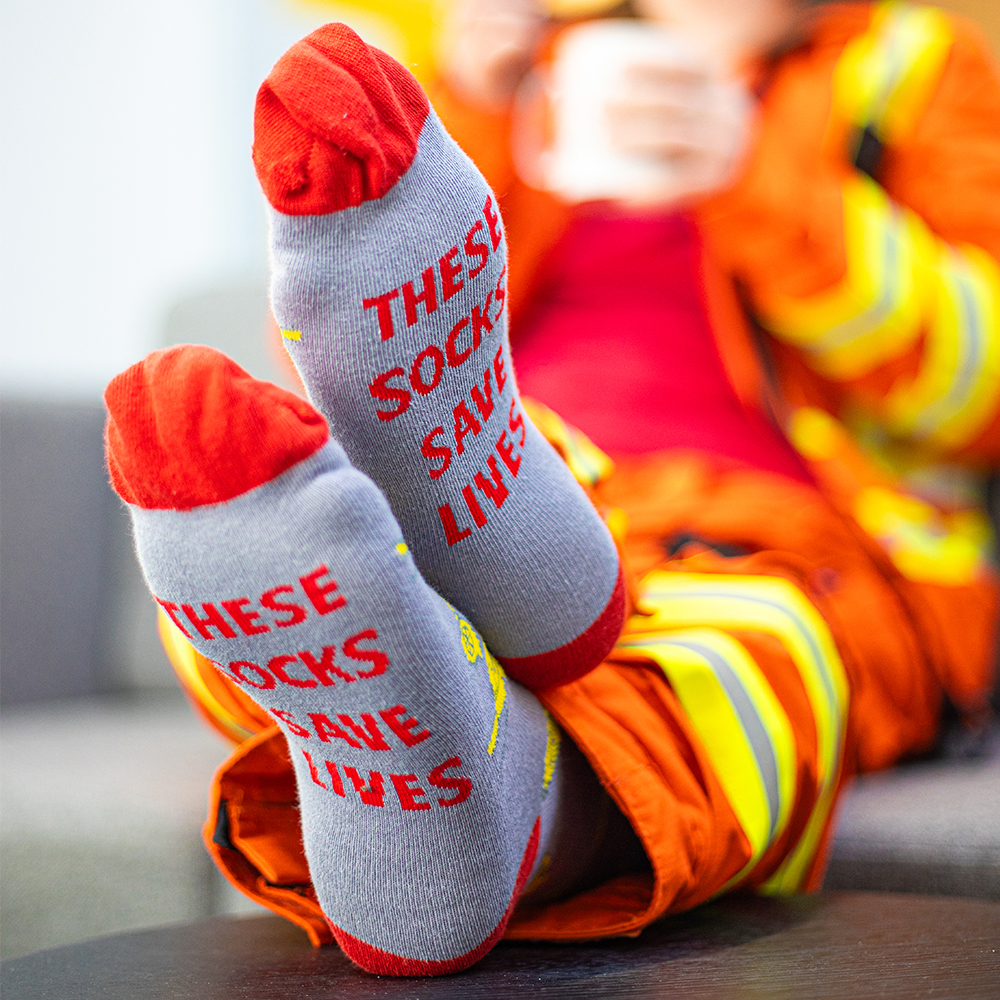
972, 352
860, 326
750, 719
895, 57
831, 694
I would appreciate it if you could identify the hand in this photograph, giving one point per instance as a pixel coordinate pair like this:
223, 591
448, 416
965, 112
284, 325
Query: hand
689, 117
487, 47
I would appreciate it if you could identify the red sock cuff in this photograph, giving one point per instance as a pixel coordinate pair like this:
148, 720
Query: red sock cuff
336, 124
188, 427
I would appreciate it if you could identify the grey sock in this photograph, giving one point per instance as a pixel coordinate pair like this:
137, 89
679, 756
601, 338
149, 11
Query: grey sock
392, 301
421, 768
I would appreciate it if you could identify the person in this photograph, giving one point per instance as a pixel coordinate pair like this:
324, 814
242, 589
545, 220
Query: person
406, 621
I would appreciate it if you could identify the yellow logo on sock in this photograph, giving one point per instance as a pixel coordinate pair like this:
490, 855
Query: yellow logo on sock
470, 641
552, 744
291, 334
474, 649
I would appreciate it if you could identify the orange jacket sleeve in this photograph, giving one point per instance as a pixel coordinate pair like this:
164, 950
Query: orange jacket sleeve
889, 289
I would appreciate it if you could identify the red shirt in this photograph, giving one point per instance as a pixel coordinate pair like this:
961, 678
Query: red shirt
616, 340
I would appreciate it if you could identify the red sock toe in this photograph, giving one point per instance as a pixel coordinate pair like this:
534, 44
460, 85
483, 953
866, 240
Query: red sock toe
579, 656
336, 124
188, 427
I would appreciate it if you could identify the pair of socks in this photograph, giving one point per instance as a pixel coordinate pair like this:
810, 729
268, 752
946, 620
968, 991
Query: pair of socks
355, 585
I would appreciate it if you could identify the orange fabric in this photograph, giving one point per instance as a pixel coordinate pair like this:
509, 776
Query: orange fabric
780, 228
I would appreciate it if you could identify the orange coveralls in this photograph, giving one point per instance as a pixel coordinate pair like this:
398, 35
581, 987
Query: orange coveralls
747, 689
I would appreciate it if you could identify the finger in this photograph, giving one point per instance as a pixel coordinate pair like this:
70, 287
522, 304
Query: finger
649, 74
655, 112
652, 131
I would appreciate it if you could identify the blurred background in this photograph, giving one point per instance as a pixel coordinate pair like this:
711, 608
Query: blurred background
130, 219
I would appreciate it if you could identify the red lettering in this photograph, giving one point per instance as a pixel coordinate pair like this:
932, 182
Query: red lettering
474, 248
465, 424
245, 619
505, 449
449, 269
373, 795
456, 358
297, 612
428, 296
408, 795
498, 370
461, 784
451, 532
496, 490
325, 729
431, 451
500, 294
336, 785
323, 669
484, 405
375, 657
478, 517
213, 619
289, 720
313, 773
481, 321
402, 727
316, 592
381, 303
371, 735
380, 389
171, 610
516, 423
277, 667
493, 221
416, 370
236, 668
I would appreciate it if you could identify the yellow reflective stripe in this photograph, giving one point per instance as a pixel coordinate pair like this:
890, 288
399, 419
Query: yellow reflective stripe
957, 388
776, 607
885, 76
741, 723
882, 81
184, 661
875, 312
925, 545
586, 461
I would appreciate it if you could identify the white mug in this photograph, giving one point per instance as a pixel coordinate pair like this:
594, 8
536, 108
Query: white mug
580, 162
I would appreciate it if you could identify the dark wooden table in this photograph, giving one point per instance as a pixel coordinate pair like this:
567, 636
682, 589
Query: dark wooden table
836, 945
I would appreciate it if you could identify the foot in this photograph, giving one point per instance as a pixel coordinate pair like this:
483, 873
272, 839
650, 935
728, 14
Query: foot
389, 284
421, 769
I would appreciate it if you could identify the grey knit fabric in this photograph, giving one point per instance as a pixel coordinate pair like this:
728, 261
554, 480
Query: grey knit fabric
327, 623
